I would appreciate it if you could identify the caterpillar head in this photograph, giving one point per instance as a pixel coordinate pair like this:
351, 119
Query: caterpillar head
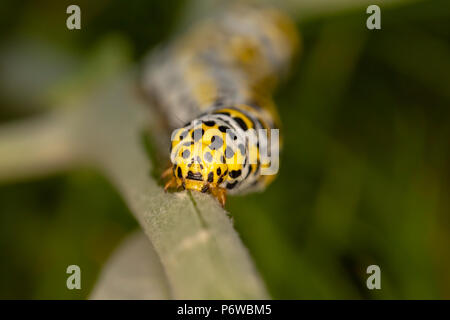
202, 160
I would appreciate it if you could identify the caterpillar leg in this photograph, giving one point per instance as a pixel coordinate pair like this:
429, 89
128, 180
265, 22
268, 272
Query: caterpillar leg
166, 173
171, 183
168, 176
220, 194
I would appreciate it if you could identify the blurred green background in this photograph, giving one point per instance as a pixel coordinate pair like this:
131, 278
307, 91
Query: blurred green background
365, 172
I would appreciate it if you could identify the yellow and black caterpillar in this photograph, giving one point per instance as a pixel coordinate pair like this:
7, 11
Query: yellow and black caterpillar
218, 79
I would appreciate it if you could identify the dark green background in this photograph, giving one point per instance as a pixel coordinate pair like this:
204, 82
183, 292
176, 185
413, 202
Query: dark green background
364, 176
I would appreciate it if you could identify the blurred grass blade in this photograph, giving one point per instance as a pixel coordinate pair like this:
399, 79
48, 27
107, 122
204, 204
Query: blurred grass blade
134, 272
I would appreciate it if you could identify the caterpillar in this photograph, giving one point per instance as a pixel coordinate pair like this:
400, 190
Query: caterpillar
218, 80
